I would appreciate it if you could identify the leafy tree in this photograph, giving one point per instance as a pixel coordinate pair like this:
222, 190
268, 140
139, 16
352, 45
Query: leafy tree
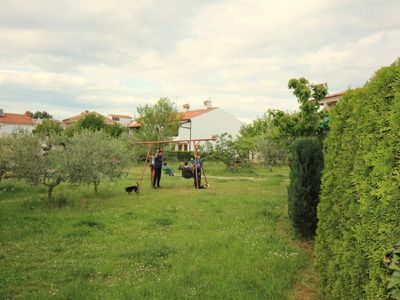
42, 115
308, 96
284, 127
226, 150
115, 130
159, 121
105, 157
250, 135
6, 154
274, 152
91, 122
48, 128
39, 163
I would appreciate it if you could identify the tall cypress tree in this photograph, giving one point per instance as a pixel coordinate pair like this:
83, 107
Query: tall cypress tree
305, 179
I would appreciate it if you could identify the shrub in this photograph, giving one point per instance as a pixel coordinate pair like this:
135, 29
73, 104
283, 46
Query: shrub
305, 180
359, 207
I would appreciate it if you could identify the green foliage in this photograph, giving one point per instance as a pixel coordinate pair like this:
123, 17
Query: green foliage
250, 136
159, 121
91, 122
285, 127
93, 156
392, 260
308, 96
39, 162
359, 207
6, 155
226, 150
115, 130
305, 179
41, 115
48, 128
274, 152
179, 156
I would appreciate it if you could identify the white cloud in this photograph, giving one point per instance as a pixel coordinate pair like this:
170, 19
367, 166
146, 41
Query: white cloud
112, 56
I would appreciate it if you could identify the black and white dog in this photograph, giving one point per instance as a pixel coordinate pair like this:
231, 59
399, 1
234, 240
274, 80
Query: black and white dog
132, 188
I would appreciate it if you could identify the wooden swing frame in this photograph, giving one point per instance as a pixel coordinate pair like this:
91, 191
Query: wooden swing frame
196, 143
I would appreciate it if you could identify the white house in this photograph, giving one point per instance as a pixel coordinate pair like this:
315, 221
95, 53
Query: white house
124, 120
10, 122
331, 100
200, 124
205, 123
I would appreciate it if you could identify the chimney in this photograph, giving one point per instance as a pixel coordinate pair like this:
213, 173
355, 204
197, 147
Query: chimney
207, 104
2, 112
186, 107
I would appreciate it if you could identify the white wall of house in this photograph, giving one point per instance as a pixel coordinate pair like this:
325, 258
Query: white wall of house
209, 124
124, 121
7, 129
120, 120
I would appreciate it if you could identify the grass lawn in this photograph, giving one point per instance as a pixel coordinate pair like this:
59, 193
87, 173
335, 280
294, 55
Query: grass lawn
228, 242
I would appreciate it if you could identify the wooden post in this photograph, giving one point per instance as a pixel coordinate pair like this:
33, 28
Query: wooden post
145, 163
196, 171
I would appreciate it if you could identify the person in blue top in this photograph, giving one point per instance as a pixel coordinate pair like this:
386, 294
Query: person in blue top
158, 164
197, 168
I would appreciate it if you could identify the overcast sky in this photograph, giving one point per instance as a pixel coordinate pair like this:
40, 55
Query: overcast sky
111, 56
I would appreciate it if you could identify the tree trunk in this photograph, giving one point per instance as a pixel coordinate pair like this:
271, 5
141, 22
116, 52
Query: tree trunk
95, 183
50, 193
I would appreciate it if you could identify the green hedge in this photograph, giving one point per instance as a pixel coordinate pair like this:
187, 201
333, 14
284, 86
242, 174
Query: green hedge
305, 180
179, 156
359, 210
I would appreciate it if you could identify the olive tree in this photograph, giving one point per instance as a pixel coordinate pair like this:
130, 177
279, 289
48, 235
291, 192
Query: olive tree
93, 155
6, 155
39, 162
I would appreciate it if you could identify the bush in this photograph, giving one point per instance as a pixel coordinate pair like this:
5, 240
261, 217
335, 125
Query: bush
179, 156
305, 180
359, 207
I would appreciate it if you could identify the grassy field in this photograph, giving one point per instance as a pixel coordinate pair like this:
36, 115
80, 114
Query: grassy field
228, 242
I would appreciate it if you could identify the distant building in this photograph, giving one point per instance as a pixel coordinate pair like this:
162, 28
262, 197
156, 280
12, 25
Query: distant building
201, 123
10, 122
71, 120
124, 120
331, 100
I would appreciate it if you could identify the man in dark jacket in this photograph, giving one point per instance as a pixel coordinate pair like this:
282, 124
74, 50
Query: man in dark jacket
197, 170
158, 163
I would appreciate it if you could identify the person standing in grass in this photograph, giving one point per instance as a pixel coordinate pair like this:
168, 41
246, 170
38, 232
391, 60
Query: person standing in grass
158, 164
197, 167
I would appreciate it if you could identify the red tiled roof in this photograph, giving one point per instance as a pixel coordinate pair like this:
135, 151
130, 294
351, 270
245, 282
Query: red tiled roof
335, 94
16, 119
84, 114
121, 116
188, 115
135, 125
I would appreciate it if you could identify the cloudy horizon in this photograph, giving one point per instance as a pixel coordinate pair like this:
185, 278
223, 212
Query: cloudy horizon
65, 57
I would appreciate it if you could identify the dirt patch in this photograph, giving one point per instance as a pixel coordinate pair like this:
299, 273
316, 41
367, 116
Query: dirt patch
307, 286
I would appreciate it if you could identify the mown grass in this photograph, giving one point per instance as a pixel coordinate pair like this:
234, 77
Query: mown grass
172, 243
